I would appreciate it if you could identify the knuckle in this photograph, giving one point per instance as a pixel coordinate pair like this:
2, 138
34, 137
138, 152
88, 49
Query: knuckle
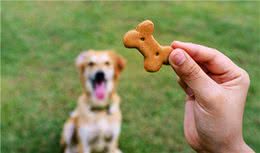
245, 77
214, 50
191, 73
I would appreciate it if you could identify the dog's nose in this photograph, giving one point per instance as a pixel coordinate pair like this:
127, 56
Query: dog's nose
100, 76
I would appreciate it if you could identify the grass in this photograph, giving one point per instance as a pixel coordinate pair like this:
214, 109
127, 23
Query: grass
39, 83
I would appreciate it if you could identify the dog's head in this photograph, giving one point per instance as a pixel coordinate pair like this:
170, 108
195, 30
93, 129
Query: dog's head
99, 72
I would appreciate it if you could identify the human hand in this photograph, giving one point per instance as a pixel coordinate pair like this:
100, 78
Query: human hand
216, 91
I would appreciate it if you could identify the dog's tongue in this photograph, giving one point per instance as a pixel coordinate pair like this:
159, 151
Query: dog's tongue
100, 90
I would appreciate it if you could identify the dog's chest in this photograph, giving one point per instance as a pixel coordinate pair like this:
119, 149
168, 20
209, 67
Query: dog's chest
100, 132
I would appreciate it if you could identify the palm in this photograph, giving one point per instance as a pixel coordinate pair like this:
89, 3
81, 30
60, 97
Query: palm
192, 111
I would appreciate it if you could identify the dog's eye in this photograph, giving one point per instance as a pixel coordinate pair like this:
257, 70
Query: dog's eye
142, 38
107, 63
91, 64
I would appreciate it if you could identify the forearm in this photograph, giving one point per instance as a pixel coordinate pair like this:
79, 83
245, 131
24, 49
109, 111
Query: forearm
241, 148
244, 148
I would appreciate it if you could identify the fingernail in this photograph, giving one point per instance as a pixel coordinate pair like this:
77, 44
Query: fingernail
173, 43
178, 57
189, 92
176, 41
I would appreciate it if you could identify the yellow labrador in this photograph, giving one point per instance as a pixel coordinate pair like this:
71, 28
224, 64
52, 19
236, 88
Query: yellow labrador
94, 125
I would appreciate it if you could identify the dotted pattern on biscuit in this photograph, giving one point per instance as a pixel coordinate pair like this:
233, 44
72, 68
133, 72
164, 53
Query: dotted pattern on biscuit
141, 38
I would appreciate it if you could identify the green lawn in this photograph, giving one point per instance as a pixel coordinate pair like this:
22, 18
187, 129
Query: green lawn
40, 85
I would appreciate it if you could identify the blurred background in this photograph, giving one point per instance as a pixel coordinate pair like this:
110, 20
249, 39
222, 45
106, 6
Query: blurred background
40, 85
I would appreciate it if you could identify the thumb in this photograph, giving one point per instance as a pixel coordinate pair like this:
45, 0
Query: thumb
191, 73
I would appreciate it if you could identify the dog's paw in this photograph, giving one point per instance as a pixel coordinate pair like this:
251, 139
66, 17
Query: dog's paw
118, 151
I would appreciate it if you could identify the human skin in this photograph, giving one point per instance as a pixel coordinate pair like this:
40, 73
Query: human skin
216, 91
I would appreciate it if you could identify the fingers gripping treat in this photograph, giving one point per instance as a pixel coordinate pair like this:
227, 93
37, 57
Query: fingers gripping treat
142, 39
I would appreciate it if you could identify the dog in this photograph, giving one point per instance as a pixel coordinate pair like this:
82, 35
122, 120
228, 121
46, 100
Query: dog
94, 126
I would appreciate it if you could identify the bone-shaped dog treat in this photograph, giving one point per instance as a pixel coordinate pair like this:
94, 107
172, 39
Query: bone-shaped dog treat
142, 39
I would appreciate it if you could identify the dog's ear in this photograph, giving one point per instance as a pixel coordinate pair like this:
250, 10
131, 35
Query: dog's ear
81, 60
146, 27
120, 63
80, 63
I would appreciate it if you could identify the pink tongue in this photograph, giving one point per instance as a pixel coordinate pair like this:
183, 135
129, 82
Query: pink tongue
100, 90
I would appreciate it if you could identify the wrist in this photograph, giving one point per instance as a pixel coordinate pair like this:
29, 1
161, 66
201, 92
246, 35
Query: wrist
246, 149
238, 148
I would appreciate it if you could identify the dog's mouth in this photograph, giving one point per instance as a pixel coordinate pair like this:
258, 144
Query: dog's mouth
99, 85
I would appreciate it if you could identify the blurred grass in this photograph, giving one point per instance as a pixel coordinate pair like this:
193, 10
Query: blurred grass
39, 84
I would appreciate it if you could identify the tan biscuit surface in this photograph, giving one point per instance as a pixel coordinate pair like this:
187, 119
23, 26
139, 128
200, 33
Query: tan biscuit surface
142, 39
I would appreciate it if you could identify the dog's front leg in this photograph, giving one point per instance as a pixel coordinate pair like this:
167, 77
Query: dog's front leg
113, 148
83, 140
83, 148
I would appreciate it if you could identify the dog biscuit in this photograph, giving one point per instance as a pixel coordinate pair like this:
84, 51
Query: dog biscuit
142, 39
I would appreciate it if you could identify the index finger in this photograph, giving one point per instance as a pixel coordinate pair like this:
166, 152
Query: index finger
215, 61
